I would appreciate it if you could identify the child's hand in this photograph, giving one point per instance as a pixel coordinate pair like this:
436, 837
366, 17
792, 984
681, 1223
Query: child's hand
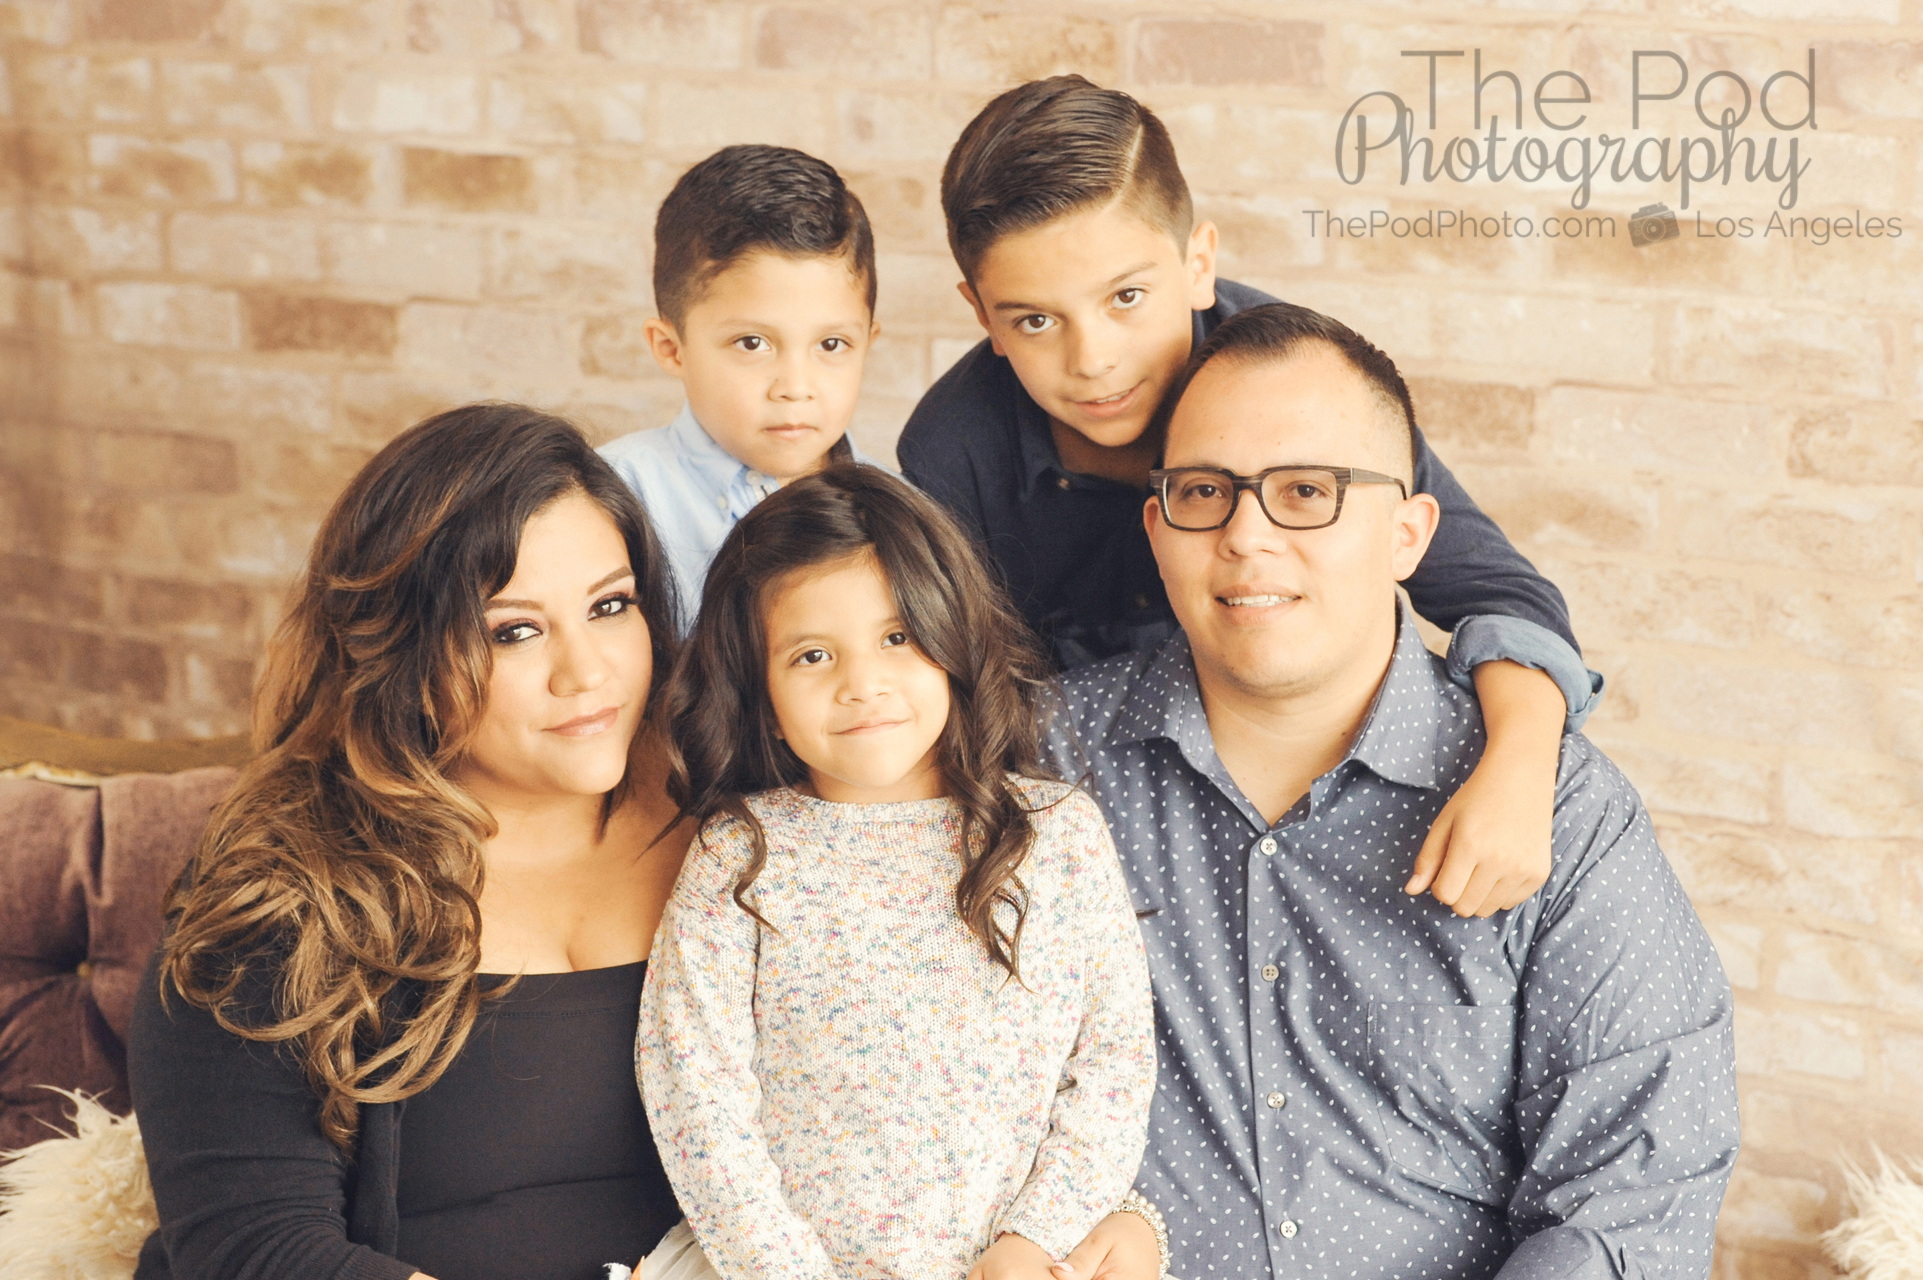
1121, 1247
1012, 1257
1489, 849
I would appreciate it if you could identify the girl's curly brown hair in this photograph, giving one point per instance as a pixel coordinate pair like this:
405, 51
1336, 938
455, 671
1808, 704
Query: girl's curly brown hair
343, 872
724, 744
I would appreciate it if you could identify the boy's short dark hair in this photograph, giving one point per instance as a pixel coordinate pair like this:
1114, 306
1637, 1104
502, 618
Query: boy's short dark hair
1053, 147
1270, 334
745, 198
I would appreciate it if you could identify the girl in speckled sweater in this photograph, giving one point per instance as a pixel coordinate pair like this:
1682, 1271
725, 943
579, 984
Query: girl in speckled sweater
897, 1022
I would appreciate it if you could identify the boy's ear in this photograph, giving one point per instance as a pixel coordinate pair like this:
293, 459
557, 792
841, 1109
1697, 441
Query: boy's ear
1201, 266
664, 343
967, 291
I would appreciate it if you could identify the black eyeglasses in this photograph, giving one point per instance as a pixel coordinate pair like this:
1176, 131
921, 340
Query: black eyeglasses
1197, 499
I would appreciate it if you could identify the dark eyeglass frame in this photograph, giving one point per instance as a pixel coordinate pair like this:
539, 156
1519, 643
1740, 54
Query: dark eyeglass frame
1239, 484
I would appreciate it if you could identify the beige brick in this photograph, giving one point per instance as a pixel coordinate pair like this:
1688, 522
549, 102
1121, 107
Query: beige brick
1607, 342
405, 259
50, 87
1779, 871
308, 174
222, 95
1400, 321
1835, 970
1762, 1207
1878, 79
156, 20
253, 401
376, 407
465, 182
391, 102
908, 125
262, 544
310, 26
699, 118
280, 322
52, 165
83, 242
1879, 270
12, 287
1564, 508
560, 261
1005, 47
885, 44
1904, 713
702, 34
168, 464
1862, 444
121, 667
238, 247
120, 90
616, 346
1367, 250
168, 315
1902, 1062
622, 183
1777, 1040
1753, 345
1224, 51
1853, 803
1623, 602
567, 108
459, 27
306, 471
1699, 259
896, 369
1863, 631
1764, 704
1262, 237
496, 346
191, 170
210, 679
1740, 946
1248, 147
37, 21
919, 289
1836, 536
1615, 428
205, 611
1738, 790
119, 386
900, 207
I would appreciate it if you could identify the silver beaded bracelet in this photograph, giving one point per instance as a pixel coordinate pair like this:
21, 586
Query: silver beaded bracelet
1142, 1207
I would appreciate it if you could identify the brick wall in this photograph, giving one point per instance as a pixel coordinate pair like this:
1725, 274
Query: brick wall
245, 242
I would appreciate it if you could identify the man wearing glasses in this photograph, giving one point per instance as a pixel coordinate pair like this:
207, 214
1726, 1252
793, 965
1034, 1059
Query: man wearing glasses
1356, 1082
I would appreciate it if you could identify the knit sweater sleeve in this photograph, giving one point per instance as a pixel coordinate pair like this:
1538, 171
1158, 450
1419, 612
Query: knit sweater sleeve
1099, 1124
694, 1056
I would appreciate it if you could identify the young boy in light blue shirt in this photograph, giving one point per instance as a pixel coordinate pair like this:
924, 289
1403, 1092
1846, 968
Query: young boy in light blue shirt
764, 280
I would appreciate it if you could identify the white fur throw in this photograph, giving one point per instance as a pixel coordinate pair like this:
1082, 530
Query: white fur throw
79, 1206
1884, 1241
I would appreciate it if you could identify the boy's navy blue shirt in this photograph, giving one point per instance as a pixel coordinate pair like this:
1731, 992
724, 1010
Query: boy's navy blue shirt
1073, 552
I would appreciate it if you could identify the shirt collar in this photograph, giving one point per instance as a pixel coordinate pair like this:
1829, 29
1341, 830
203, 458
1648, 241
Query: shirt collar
709, 460
1398, 741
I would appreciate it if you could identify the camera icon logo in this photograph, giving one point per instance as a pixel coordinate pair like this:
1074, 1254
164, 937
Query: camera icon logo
1652, 223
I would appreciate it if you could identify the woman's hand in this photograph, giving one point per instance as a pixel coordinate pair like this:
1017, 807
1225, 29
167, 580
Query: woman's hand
1012, 1257
1121, 1247
1489, 848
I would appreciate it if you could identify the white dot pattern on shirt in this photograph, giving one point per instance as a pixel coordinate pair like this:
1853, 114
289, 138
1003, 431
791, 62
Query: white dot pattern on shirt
1452, 1085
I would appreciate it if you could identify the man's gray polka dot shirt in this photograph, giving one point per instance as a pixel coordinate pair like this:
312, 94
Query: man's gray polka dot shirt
1356, 1083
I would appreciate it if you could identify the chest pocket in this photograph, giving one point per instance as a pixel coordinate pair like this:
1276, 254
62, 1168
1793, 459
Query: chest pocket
1445, 1077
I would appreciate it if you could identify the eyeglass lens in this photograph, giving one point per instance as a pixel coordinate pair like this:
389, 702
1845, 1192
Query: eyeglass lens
1298, 498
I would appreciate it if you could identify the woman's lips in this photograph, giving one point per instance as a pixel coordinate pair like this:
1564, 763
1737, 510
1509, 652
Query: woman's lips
588, 725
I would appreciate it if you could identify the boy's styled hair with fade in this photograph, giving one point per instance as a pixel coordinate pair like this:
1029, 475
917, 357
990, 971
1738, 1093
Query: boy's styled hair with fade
1053, 147
745, 198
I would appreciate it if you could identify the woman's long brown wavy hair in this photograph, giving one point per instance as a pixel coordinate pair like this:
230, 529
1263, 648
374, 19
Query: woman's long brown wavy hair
332, 906
724, 740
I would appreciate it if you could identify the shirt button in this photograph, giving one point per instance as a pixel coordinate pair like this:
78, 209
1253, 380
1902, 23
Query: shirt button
1141, 600
1267, 845
1288, 1228
1270, 973
1064, 483
1278, 1100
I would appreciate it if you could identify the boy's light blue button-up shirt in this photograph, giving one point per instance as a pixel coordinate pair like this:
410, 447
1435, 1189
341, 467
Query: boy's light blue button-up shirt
694, 491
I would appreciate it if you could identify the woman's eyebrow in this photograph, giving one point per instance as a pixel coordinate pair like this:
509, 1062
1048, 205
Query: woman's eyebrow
502, 602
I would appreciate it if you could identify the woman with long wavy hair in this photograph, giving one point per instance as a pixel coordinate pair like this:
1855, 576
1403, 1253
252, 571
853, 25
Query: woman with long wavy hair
389, 1032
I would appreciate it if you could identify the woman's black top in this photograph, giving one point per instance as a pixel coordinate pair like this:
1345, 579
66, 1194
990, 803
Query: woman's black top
532, 1154
249, 1189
